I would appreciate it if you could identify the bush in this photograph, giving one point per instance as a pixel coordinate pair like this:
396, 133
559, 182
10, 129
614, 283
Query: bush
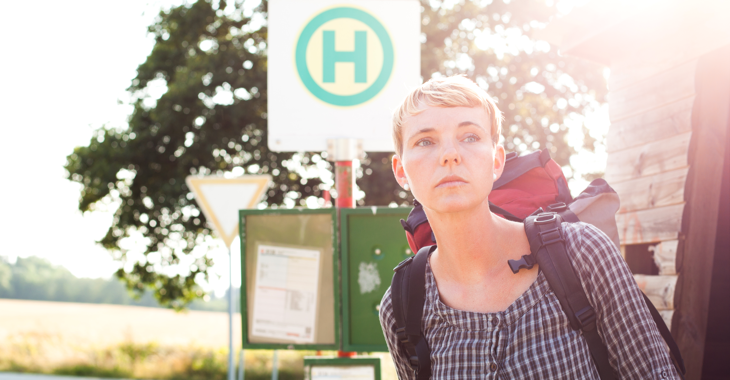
91, 370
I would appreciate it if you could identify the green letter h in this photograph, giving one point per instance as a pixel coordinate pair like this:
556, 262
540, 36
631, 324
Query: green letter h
330, 56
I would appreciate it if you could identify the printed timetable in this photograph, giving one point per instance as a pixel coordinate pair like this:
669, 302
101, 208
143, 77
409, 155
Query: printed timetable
285, 295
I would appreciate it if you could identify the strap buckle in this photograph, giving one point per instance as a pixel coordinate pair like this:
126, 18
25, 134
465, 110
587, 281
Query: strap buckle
400, 333
527, 261
586, 317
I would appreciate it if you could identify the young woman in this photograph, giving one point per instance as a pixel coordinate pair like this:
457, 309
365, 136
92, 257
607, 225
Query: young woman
481, 320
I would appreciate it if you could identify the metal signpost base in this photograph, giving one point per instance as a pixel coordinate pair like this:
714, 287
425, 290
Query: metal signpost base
230, 315
275, 366
241, 366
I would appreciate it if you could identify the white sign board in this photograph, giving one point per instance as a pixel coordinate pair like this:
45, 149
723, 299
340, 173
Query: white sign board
285, 297
343, 373
220, 199
338, 69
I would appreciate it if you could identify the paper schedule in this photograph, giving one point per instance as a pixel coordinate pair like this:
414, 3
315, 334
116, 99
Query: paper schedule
285, 296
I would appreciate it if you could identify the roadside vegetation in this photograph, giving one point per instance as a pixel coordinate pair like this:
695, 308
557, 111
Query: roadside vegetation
37, 354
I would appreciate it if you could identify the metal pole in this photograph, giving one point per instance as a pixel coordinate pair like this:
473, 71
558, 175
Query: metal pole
344, 183
275, 366
343, 152
241, 365
230, 315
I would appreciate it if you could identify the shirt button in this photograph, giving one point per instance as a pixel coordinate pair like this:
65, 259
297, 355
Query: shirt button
493, 367
664, 374
495, 322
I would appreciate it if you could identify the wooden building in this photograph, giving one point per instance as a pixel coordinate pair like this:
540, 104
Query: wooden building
669, 156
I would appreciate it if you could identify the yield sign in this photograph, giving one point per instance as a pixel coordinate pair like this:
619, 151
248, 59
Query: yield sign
220, 199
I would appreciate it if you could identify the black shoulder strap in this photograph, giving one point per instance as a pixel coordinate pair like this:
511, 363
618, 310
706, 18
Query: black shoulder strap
664, 331
548, 245
407, 292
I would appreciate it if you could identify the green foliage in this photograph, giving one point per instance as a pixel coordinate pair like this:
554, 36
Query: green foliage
33, 278
211, 62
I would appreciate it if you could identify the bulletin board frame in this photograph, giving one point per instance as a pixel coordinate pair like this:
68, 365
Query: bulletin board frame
242, 225
310, 361
347, 344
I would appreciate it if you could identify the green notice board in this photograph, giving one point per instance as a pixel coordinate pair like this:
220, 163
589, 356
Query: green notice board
289, 292
372, 244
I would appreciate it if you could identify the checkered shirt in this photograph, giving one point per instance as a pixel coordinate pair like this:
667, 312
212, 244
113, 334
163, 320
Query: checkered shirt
532, 338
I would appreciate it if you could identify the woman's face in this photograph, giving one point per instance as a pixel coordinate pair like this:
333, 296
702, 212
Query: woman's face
448, 159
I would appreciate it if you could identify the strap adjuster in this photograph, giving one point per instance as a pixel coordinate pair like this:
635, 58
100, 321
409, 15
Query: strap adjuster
400, 333
553, 235
557, 207
403, 263
586, 317
414, 362
546, 218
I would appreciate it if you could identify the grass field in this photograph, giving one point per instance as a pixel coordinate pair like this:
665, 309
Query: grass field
130, 341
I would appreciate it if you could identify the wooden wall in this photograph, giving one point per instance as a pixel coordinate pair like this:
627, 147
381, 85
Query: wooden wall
702, 295
651, 100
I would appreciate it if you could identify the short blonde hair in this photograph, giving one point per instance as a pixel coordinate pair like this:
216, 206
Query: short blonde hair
454, 91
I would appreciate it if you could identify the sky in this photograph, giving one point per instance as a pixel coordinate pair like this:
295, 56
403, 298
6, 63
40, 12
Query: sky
65, 71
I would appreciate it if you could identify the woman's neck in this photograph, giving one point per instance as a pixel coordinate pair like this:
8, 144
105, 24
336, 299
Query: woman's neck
475, 244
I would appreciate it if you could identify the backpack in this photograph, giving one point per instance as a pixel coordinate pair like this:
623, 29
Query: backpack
533, 190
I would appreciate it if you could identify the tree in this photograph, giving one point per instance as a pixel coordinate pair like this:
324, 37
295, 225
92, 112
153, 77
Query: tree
210, 63
535, 87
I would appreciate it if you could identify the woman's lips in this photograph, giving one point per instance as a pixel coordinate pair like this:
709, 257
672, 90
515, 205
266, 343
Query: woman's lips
451, 181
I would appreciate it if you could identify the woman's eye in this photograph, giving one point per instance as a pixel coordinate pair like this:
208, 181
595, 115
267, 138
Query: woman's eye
423, 143
472, 138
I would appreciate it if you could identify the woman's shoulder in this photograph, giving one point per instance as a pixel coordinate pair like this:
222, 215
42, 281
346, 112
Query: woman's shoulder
586, 242
595, 258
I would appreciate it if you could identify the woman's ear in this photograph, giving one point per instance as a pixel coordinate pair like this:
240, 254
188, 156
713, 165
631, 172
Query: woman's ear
499, 160
399, 172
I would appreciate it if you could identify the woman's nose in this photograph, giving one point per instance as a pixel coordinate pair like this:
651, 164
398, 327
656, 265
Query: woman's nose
449, 156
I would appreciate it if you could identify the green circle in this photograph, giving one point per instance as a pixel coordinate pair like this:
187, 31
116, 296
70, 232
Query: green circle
301, 56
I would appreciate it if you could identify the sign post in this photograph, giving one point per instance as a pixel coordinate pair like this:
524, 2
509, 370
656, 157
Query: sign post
220, 199
343, 152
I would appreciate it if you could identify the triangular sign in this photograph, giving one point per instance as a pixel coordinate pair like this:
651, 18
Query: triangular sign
220, 199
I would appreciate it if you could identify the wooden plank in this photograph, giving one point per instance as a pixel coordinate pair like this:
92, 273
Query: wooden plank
657, 190
659, 289
650, 226
673, 49
669, 120
653, 158
667, 317
657, 91
665, 257
703, 194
